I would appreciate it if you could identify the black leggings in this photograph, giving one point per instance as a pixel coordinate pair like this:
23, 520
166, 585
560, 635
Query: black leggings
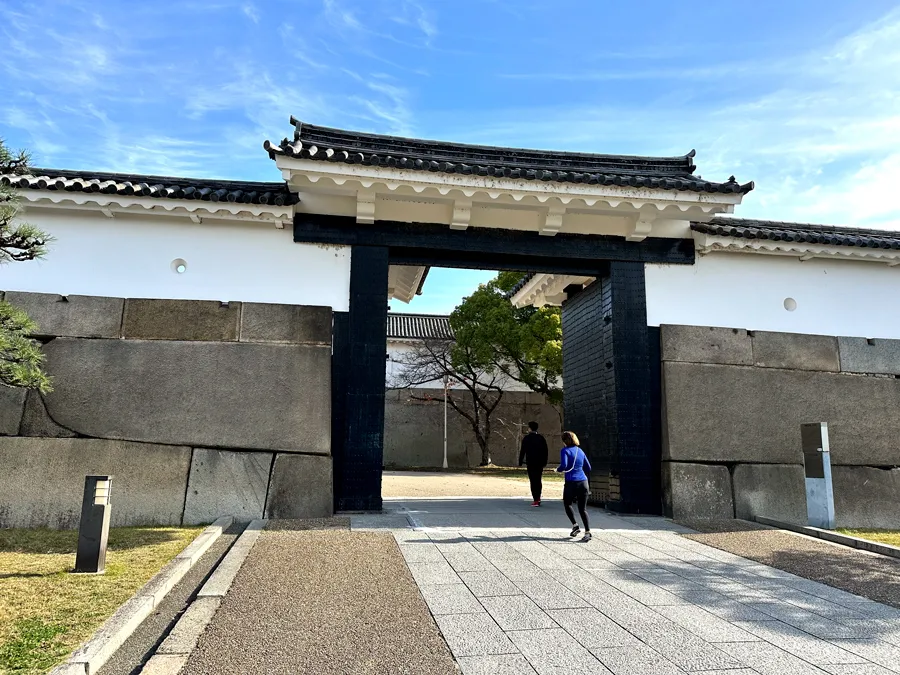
577, 491
535, 473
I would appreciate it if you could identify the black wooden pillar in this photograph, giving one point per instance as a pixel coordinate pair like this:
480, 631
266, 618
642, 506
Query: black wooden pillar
357, 483
608, 387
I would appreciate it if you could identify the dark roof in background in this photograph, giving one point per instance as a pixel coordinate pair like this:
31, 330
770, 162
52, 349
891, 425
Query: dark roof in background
772, 230
419, 326
351, 147
162, 187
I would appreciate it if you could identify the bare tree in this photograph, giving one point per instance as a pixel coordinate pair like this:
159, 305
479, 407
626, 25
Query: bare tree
473, 392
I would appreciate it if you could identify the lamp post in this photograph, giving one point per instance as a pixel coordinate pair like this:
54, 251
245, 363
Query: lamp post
93, 531
446, 394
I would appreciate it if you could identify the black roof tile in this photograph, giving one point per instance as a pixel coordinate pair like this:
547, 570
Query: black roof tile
351, 147
771, 230
419, 326
520, 284
162, 187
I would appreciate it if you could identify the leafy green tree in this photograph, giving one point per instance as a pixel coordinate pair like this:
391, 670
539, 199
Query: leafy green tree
525, 344
21, 359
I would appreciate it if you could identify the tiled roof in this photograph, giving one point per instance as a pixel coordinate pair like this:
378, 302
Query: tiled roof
419, 326
162, 187
770, 230
520, 284
350, 147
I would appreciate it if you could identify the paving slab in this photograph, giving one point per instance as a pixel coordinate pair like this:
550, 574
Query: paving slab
636, 660
474, 635
489, 584
450, 599
554, 652
593, 629
798, 643
517, 612
767, 659
502, 664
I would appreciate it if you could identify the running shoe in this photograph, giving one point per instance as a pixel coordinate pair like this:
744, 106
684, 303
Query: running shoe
537, 503
586, 538
575, 531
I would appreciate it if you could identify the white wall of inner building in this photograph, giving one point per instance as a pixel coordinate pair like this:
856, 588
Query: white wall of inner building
742, 290
132, 256
397, 348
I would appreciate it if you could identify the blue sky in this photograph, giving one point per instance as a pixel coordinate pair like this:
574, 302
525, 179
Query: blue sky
801, 96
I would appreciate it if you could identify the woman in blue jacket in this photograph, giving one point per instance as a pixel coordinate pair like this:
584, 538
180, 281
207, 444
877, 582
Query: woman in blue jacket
574, 463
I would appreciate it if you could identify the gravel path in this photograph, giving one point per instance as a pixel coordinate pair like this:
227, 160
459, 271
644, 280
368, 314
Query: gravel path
141, 645
440, 484
867, 574
325, 602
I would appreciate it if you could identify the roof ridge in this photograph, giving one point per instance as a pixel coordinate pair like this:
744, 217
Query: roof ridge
787, 225
299, 126
312, 142
37, 172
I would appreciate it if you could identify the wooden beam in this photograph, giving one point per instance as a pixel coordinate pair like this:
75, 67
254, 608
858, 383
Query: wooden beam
498, 243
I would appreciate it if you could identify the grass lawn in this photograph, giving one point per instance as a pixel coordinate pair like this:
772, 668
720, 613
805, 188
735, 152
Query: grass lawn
45, 612
891, 537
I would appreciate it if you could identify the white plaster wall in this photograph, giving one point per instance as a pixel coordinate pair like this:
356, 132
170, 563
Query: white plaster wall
131, 256
739, 290
397, 348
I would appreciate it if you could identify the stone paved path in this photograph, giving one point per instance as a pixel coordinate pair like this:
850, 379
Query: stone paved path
512, 594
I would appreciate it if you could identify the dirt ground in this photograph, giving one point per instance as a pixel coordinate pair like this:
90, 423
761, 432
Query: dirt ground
453, 484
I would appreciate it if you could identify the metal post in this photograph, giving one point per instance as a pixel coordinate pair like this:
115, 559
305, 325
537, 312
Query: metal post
93, 530
446, 394
817, 463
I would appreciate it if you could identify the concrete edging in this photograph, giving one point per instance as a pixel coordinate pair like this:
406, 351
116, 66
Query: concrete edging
174, 651
835, 537
96, 651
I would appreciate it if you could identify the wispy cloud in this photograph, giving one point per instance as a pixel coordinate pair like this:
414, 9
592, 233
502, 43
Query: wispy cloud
250, 11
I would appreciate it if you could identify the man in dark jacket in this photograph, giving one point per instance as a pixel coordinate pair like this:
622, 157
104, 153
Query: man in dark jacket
534, 456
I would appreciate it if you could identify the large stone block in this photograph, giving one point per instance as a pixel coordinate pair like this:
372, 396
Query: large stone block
797, 352
36, 421
71, 315
775, 491
12, 404
42, 481
859, 355
285, 323
700, 344
181, 320
866, 497
697, 491
301, 487
728, 414
226, 395
226, 483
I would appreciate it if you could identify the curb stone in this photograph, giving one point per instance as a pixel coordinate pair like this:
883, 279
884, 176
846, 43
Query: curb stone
835, 537
96, 651
174, 651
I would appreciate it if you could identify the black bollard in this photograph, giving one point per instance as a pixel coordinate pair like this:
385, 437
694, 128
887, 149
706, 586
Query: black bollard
93, 531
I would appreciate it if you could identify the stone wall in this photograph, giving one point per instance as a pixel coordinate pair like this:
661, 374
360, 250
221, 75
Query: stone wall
733, 404
414, 430
198, 409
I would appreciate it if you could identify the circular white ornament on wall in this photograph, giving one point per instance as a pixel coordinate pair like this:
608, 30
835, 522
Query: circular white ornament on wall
790, 304
179, 266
